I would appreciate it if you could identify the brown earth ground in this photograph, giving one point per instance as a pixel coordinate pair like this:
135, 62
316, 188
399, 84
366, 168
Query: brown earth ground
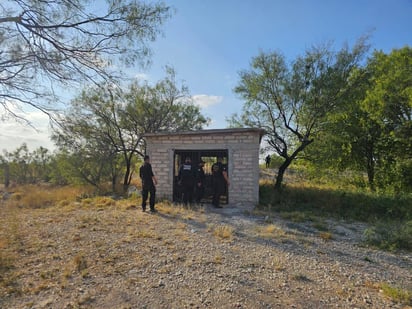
102, 253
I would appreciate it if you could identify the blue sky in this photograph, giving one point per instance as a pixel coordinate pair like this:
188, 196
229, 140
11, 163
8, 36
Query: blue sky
209, 41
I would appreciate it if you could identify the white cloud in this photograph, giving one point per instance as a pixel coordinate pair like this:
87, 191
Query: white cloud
14, 133
142, 77
205, 101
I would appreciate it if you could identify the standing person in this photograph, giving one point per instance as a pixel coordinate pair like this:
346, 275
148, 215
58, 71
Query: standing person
200, 181
149, 183
220, 180
186, 178
267, 160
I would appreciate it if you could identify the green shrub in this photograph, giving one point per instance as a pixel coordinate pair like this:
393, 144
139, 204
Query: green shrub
342, 204
390, 235
397, 294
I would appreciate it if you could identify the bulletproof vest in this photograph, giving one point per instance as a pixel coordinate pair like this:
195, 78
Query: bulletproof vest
187, 174
217, 169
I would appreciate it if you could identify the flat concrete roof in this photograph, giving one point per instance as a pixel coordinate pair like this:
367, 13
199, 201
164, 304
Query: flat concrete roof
209, 131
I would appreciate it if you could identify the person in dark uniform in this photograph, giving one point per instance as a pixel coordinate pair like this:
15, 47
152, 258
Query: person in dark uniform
267, 160
219, 181
200, 181
149, 183
186, 179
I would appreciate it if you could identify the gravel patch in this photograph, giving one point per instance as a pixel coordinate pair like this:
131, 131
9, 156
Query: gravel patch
119, 257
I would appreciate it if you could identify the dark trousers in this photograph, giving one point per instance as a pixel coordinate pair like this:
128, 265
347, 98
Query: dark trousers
187, 194
218, 190
200, 191
145, 194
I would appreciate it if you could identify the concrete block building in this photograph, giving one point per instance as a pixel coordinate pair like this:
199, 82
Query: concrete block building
238, 147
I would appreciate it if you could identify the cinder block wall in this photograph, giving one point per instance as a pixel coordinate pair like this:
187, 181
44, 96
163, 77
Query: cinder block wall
243, 162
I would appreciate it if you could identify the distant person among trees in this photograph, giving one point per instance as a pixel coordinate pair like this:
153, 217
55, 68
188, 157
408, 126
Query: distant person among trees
149, 183
186, 179
219, 181
267, 160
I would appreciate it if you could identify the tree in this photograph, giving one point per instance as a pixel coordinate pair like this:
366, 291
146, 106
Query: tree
5, 171
350, 137
162, 107
41, 161
23, 166
20, 163
45, 44
375, 128
291, 102
91, 135
389, 103
105, 126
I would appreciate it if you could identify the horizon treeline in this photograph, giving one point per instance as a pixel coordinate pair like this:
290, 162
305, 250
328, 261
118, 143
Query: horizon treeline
366, 130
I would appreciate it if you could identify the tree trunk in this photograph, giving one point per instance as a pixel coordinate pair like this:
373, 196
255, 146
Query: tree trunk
127, 177
371, 174
288, 161
6, 175
114, 180
281, 172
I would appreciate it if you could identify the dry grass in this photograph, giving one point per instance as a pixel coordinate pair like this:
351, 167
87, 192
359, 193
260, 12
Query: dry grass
270, 231
178, 210
6, 261
37, 196
10, 245
326, 236
103, 202
100, 244
278, 263
218, 259
223, 232
81, 264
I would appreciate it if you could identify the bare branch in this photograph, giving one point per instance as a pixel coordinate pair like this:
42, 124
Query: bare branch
66, 42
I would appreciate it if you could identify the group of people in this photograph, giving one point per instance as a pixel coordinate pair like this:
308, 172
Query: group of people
191, 179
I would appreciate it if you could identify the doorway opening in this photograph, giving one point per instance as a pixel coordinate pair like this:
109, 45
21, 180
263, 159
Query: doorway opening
209, 157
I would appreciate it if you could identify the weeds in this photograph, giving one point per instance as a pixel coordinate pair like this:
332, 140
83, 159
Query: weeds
326, 236
61, 249
397, 294
10, 244
80, 262
299, 201
270, 231
390, 235
7, 277
320, 225
218, 259
36, 196
295, 216
222, 231
103, 202
147, 234
326, 201
278, 264
301, 277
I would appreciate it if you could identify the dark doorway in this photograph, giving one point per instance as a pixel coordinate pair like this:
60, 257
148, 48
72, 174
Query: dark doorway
209, 157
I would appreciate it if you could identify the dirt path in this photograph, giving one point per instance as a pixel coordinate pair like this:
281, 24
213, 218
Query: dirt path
115, 256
